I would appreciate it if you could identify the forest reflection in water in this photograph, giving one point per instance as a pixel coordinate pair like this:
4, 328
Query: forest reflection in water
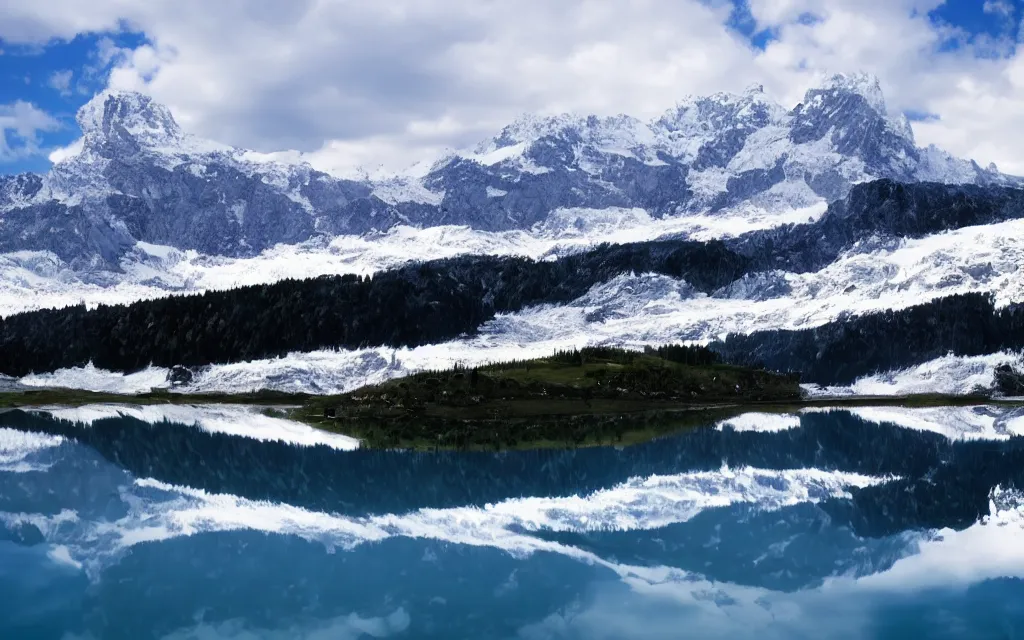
871, 522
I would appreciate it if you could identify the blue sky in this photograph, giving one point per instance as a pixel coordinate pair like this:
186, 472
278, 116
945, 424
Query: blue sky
969, 15
58, 78
56, 63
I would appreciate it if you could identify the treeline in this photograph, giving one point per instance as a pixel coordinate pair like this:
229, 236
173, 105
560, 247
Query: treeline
415, 305
693, 355
846, 349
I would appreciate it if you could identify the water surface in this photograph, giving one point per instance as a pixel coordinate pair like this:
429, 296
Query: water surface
870, 523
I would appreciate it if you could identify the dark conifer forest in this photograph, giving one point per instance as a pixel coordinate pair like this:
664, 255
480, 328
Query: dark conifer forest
877, 212
415, 305
841, 351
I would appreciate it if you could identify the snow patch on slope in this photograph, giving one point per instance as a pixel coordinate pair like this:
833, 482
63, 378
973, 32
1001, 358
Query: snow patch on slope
37, 280
403, 189
984, 422
988, 549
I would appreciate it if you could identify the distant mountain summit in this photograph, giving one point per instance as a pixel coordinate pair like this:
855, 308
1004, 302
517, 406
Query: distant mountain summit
127, 122
705, 154
135, 175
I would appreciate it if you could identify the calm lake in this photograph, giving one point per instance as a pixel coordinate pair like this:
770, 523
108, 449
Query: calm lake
222, 523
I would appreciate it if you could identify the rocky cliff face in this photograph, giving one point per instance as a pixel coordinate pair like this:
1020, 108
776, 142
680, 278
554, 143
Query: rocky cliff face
137, 176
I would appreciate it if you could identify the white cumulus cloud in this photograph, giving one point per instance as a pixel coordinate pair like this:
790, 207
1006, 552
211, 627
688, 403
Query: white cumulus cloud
20, 125
61, 81
364, 83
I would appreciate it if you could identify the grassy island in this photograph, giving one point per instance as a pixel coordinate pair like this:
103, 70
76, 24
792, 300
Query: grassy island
590, 396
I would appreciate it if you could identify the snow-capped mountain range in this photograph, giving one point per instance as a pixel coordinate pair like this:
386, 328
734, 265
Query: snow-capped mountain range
140, 209
136, 176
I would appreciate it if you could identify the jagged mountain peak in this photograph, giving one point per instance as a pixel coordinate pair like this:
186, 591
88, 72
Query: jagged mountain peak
755, 107
128, 114
848, 113
752, 108
705, 154
540, 143
752, 94
530, 127
709, 130
136, 176
837, 100
863, 84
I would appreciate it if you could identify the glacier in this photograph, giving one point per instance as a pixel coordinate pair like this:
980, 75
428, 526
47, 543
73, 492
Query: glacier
18, 449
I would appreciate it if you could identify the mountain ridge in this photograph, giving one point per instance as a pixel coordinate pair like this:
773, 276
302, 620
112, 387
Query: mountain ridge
136, 176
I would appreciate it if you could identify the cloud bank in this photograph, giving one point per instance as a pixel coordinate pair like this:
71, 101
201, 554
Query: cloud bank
353, 83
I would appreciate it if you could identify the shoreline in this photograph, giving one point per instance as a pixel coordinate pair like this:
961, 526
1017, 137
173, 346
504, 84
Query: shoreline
571, 424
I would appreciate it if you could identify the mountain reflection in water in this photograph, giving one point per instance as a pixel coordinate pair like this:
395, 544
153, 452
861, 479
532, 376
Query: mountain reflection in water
861, 523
